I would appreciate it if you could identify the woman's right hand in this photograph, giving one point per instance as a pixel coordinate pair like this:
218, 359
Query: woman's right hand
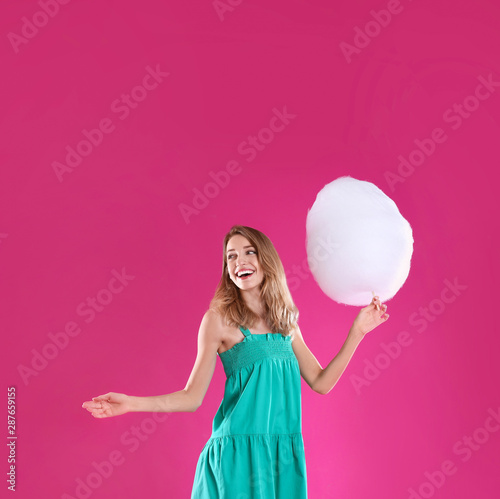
108, 405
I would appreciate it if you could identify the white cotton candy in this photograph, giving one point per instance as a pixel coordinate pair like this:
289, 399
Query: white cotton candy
358, 243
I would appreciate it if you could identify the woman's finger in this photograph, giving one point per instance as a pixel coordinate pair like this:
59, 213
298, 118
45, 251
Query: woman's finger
105, 396
91, 405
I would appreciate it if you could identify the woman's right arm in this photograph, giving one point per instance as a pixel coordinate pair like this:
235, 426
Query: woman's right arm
185, 400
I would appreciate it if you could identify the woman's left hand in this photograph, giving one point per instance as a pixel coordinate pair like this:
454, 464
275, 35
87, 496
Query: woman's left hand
370, 317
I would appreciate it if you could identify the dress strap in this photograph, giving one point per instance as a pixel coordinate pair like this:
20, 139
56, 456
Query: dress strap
245, 331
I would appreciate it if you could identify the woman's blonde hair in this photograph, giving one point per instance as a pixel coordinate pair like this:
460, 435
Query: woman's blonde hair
281, 313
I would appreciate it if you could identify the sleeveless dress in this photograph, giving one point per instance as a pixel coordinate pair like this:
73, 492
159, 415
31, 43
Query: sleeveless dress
256, 450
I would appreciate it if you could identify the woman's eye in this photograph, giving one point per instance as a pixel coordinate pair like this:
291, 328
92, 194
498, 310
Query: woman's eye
230, 257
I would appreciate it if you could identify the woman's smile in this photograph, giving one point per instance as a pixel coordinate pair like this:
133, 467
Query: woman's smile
243, 262
244, 274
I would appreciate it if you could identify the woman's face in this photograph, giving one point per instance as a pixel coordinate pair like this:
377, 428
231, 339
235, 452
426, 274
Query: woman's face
241, 256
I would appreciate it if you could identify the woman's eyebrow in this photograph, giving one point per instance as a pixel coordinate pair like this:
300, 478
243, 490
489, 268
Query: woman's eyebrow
243, 248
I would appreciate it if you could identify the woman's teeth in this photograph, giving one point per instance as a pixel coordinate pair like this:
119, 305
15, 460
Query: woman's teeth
244, 274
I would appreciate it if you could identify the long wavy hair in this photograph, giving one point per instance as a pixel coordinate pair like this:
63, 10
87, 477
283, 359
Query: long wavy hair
281, 313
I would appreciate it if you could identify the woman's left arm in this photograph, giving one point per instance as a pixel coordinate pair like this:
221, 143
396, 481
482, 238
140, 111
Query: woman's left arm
323, 380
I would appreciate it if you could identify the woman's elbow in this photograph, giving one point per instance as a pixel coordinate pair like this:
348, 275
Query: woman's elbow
195, 406
321, 391
321, 388
317, 384
191, 401
196, 402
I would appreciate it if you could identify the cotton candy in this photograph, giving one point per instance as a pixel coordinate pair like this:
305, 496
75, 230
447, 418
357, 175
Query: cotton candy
358, 243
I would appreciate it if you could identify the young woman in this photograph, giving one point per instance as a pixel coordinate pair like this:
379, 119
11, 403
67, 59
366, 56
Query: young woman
256, 448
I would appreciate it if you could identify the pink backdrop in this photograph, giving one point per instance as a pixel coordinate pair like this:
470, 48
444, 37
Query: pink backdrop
135, 134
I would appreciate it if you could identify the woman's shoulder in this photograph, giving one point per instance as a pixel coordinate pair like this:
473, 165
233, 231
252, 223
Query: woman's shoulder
212, 316
213, 320
214, 328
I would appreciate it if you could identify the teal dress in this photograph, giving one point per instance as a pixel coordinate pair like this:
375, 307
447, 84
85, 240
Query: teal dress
256, 450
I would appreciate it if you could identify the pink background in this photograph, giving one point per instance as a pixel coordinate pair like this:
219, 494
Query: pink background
120, 208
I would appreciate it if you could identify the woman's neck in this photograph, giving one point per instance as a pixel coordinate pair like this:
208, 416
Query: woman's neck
254, 302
